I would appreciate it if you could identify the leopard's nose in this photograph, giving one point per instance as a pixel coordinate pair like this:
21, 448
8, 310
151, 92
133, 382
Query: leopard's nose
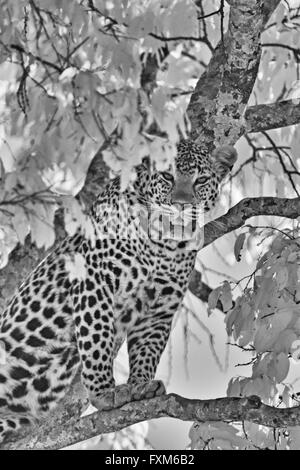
182, 196
182, 191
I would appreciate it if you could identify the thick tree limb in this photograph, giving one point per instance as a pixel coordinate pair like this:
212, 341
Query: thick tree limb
53, 434
234, 219
222, 92
264, 117
247, 208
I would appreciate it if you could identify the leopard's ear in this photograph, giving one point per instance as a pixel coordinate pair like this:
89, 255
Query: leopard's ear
224, 159
146, 162
145, 165
143, 168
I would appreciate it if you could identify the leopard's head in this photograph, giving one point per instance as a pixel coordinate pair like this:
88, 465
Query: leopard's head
192, 182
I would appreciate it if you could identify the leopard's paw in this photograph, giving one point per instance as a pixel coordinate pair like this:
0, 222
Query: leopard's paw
105, 401
151, 389
122, 395
112, 398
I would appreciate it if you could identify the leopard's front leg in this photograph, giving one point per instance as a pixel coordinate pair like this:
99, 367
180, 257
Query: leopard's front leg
94, 329
95, 333
147, 339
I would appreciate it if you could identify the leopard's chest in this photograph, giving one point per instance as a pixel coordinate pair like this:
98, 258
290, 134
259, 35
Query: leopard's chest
143, 286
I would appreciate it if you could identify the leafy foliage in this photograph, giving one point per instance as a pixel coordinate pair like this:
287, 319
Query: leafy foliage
265, 321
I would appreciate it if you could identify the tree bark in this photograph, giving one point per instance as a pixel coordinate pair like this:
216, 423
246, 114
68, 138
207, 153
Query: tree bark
264, 117
222, 92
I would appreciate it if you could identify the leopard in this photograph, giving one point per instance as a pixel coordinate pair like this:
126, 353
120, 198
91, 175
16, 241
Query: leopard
134, 272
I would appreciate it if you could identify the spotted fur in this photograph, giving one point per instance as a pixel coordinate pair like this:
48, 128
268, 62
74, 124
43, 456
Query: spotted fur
133, 284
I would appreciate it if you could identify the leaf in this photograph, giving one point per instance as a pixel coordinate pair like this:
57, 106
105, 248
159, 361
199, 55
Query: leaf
221, 436
260, 366
194, 435
76, 219
182, 18
269, 329
42, 225
295, 350
282, 277
213, 297
231, 317
275, 366
67, 74
10, 147
260, 436
285, 341
245, 337
286, 395
294, 433
264, 292
20, 223
142, 25
262, 260
244, 323
238, 246
234, 388
292, 257
226, 296
279, 368
295, 144
76, 266
262, 386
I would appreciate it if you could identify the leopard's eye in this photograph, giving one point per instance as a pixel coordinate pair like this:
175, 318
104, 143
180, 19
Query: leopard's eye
167, 176
202, 180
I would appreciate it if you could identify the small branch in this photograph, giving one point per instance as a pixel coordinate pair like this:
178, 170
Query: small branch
294, 50
45, 62
53, 434
177, 38
286, 171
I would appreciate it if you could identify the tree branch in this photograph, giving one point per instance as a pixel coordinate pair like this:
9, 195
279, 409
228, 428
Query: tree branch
247, 208
264, 117
234, 219
52, 434
201, 290
222, 92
